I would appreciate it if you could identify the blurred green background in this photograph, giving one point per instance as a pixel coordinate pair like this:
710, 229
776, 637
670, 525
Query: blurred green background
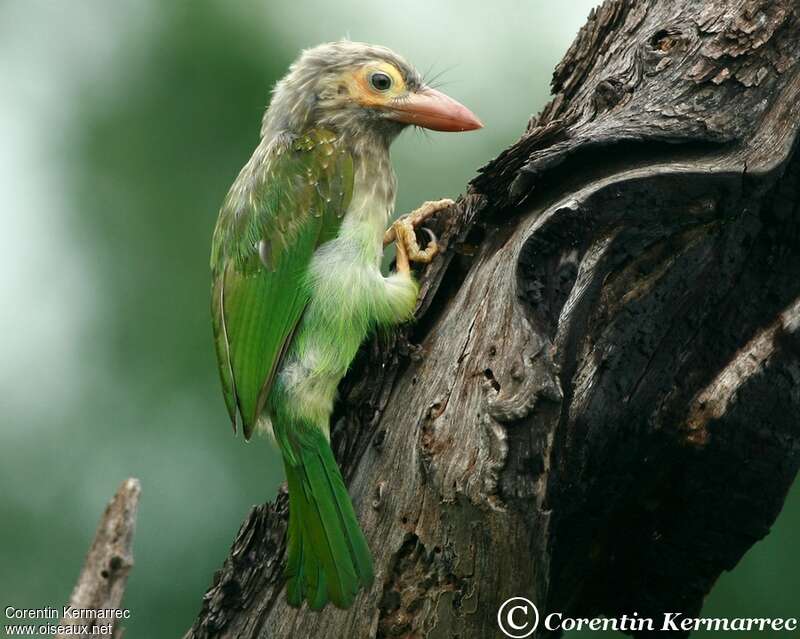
122, 125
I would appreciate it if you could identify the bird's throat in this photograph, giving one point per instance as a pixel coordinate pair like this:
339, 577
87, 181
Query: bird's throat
374, 190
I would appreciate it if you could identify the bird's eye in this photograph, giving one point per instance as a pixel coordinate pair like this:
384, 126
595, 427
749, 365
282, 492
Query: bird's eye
380, 81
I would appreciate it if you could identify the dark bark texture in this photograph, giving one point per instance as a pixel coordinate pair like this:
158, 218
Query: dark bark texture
597, 407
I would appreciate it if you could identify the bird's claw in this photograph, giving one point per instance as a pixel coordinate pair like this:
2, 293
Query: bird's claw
416, 218
406, 236
431, 248
428, 210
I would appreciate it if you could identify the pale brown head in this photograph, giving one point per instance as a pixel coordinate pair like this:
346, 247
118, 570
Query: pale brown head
358, 89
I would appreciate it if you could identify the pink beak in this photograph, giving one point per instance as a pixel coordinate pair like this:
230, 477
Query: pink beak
434, 110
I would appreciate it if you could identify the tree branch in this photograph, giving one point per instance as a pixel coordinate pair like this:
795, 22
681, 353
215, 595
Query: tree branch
104, 576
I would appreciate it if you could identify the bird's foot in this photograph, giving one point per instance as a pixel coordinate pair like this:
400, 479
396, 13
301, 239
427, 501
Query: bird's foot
427, 210
406, 238
403, 231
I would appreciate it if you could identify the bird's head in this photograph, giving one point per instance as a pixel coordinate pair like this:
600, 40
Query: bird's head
358, 89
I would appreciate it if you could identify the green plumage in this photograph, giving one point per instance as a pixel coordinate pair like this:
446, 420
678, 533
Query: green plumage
258, 292
263, 244
327, 555
297, 284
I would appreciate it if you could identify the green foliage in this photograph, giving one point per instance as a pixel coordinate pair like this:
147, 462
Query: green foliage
149, 157
154, 159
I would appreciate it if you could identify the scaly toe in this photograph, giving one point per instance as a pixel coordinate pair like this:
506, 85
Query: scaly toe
426, 255
428, 210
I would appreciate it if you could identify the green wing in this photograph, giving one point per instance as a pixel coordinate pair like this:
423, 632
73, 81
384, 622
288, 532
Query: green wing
269, 227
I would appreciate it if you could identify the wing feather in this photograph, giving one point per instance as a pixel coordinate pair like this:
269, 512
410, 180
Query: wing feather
260, 256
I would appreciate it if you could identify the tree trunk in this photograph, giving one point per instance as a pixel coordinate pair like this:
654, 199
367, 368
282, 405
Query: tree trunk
597, 406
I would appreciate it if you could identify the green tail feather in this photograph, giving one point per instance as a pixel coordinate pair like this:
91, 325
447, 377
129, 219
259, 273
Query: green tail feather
328, 558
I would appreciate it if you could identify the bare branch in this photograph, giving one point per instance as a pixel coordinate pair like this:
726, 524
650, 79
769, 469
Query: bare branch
102, 581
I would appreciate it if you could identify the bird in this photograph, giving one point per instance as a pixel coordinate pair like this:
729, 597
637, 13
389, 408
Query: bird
297, 284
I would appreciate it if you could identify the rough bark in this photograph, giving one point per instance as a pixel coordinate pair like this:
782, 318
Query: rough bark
597, 405
102, 581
